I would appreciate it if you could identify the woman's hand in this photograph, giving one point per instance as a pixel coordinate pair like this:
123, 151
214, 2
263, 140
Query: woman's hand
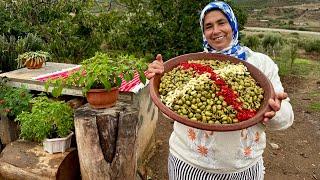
275, 105
156, 67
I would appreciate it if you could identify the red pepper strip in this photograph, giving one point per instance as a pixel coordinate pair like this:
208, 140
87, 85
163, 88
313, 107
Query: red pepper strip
228, 94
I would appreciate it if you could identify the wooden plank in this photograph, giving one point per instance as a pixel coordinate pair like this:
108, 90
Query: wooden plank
26, 78
8, 130
22, 160
148, 117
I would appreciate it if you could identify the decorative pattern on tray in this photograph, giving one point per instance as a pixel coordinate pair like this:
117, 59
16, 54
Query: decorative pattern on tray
134, 85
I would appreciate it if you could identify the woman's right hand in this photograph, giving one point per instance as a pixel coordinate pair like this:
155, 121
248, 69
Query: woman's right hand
156, 67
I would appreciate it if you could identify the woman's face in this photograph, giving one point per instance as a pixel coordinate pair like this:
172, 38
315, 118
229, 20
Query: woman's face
217, 30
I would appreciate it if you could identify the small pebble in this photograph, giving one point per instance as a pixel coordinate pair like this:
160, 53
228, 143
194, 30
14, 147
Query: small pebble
274, 146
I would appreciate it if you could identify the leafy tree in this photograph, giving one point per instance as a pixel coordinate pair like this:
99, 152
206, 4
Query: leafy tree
289, 52
68, 29
162, 26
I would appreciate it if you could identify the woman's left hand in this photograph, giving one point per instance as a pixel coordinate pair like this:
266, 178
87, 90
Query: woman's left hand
275, 105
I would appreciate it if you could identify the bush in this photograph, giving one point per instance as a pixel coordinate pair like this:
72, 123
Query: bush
312, 45
272, 44
29, 43
167, 27
13, 100
252, 42
47, 119
67, 29
8, 53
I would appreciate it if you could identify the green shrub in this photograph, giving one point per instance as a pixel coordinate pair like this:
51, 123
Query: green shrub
167, 27
260, 35
312, 45
8, 53
252, 42
272, 44
68, 28
47, 119
29, 43
13, 100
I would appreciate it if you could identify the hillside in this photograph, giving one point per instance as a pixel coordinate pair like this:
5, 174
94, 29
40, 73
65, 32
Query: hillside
288, 14
259, 4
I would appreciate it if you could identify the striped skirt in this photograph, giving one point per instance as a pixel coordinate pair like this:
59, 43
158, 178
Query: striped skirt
179, 170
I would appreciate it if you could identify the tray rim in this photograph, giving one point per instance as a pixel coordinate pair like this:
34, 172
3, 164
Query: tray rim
262, 79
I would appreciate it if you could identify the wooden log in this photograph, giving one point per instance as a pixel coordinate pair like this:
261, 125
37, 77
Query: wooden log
24, 160
106, 141
8, 130
148, 117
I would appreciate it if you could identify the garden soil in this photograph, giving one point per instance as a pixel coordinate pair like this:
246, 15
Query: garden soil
291, 154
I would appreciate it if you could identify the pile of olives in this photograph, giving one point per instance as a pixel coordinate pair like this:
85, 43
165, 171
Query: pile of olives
195, 96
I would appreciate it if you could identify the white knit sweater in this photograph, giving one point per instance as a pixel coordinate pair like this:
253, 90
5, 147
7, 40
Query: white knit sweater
235, 151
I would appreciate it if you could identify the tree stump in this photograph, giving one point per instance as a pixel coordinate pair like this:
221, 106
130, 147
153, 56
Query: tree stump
8, 130
106, 141
25, 160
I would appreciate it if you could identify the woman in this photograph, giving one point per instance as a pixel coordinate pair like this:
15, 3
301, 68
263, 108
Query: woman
197, 154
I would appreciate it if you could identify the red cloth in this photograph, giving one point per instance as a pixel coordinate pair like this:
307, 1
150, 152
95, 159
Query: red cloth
125, 86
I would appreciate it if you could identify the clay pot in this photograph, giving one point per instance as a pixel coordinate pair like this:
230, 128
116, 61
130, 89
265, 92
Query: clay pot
100, 98
262, 80
36, 66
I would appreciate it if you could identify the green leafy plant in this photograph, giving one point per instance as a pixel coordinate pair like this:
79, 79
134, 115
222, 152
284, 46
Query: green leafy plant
13, 100
32, 42
33, 59
8, 53
47, 119
167, 27
101, 72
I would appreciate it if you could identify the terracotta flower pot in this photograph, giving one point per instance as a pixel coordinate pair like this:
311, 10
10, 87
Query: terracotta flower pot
29, 65
100, 98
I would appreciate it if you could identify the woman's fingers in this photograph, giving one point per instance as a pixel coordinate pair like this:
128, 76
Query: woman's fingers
268, 115
159, 58
282, 96
156, 67
275, 105
150, 75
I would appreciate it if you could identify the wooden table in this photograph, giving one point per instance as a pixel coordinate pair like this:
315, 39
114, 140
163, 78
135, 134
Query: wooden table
26, 77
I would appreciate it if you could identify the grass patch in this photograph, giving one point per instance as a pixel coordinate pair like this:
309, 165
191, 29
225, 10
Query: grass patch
315, 106
314, 94
300, 67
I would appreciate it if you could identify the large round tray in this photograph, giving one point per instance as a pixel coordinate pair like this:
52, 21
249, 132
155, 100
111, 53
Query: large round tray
262, 80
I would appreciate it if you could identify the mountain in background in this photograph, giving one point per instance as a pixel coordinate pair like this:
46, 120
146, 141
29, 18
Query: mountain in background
258, 4
285, 14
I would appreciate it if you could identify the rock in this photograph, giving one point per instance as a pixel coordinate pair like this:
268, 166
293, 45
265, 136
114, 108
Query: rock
274, 146
304, 155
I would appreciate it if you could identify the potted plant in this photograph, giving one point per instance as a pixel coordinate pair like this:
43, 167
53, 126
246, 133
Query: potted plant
100, 78
33, 59
50, 122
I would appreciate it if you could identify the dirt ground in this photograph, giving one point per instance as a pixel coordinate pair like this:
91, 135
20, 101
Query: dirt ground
298, 154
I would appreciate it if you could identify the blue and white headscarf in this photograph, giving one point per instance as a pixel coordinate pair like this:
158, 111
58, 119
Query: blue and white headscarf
234, 49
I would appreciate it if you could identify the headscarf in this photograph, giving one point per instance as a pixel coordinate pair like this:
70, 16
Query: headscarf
234, 49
